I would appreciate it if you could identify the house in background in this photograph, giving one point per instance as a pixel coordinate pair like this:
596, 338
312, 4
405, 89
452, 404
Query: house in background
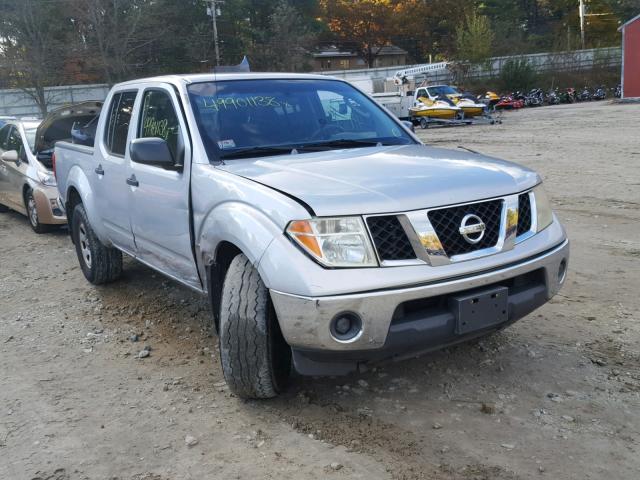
631, 58
335, 58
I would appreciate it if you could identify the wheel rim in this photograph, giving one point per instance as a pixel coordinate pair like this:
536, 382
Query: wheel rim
84, 245
32, 210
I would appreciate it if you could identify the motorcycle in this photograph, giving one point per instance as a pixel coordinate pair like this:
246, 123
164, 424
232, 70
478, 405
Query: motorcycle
600, 93
617, 91
490, 99
510, 102
567, 96
552, 97
534, 98
585, 95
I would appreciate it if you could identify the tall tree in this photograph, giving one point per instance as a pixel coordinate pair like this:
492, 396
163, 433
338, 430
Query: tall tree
267, 31
33, 41
113, 30
474, 38
290, 39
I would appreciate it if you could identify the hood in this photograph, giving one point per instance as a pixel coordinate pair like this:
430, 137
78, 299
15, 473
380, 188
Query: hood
385, 179
57, 124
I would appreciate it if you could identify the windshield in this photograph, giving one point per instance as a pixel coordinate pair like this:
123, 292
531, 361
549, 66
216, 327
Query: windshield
267, 117
442, 90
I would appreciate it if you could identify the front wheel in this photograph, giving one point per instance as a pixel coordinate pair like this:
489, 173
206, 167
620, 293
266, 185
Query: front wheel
99, 264
256, 360
32, 213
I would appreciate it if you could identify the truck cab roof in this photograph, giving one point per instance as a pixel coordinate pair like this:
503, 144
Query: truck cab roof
218, 77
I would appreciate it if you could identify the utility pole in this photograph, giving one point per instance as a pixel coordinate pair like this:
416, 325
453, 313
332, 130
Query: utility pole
582, 15
214, 20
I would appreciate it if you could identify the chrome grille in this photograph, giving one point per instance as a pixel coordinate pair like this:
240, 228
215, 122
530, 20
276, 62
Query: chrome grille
524, 213
446, 223
390, 239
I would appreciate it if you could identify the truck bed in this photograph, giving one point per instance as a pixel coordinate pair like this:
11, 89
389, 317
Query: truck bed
69, 155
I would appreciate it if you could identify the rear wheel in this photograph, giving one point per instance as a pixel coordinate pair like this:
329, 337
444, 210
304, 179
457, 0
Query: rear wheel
100, 264
424, 123
32, 213
256, 360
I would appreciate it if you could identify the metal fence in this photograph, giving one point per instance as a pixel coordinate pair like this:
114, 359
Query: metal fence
372, 80
19, 103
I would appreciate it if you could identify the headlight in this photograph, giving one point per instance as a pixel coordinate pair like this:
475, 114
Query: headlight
47, 179
544, 213
334, 242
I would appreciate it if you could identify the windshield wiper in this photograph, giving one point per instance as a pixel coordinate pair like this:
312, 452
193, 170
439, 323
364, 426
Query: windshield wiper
256, 152
340, 143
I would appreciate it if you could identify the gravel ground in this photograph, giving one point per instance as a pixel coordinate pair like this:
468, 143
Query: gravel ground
554, 396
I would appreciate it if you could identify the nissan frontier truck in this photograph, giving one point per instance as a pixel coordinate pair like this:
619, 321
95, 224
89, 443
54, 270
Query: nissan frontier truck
326, 235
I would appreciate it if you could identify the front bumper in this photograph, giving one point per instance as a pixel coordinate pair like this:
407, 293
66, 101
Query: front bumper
49, 205
395, 321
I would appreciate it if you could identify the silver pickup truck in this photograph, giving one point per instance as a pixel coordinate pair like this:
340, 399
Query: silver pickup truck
325, 234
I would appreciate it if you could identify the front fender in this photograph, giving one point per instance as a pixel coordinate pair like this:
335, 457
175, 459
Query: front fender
79, 181
238, 223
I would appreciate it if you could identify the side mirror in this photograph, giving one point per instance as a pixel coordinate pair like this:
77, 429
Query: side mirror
10, 156
409, 125
152, 151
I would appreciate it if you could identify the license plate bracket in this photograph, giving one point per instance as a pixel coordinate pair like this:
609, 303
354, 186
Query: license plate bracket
481, 309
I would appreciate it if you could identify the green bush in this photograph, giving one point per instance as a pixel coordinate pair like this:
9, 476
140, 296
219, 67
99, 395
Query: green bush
517, 74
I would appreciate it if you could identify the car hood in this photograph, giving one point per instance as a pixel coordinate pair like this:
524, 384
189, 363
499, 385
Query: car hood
385, 179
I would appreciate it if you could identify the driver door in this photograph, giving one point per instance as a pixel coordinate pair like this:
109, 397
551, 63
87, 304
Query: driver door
15, 172
160, 210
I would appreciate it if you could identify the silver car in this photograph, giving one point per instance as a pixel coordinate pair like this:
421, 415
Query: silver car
27, 184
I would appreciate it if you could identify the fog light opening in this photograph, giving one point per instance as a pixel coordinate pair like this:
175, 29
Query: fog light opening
346, 327
562, 271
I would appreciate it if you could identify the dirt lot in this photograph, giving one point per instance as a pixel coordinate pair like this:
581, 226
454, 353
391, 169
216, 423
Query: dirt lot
556, 396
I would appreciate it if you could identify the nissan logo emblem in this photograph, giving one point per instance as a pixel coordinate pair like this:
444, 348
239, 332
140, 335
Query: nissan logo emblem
472, 228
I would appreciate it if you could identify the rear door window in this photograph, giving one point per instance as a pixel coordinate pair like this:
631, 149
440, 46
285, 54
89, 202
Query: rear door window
119, 120
159, 120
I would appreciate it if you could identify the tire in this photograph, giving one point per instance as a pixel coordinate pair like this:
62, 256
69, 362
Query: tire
424, 124
32, 213
99, 264
3, 209
256, 360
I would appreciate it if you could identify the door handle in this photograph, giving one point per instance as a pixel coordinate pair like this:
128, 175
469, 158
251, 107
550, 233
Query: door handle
132, 181
99, 170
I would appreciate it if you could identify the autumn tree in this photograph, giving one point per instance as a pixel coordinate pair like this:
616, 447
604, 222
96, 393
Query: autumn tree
426, 28
367, 25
